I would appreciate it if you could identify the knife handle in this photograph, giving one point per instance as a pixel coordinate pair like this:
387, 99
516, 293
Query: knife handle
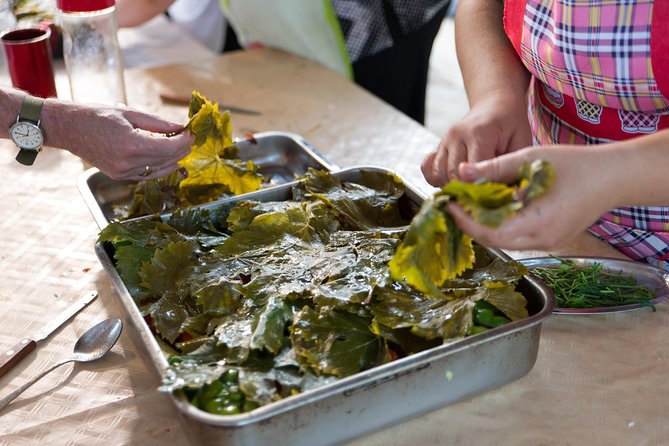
11, 357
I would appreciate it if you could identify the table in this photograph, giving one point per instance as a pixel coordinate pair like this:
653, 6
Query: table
598, 380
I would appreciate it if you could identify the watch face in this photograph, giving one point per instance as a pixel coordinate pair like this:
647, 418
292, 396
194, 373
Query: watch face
26, 135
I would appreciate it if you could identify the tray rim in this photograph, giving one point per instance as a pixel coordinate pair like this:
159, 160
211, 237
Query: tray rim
587, 260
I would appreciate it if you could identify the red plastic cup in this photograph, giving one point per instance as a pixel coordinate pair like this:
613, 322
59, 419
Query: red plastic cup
29, 60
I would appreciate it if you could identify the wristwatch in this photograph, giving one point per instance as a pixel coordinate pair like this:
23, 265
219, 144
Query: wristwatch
26, 132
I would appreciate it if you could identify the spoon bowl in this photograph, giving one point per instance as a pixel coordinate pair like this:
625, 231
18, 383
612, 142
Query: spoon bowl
91, 346
97, 341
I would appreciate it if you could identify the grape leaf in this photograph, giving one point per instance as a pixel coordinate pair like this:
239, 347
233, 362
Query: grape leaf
166, 273
336, 343
504, 296
488, 203
434, 249
426, 317
534, 180
207, 164
369, 203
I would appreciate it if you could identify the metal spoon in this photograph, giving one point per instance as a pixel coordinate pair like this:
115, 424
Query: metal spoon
92, 345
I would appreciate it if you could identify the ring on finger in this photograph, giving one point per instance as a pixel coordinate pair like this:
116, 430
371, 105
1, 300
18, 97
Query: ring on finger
147, 171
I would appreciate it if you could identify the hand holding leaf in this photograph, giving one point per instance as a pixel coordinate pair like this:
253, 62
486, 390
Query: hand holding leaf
435, 249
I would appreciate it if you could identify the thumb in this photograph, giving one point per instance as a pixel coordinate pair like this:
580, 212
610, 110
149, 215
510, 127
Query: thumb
503, 169
151, 123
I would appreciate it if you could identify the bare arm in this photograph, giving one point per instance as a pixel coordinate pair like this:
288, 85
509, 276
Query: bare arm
131, 13
490, 65
120, 141
590, 180
496, 83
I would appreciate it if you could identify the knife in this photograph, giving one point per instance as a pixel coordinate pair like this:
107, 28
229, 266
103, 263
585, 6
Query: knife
185, 100
12, 357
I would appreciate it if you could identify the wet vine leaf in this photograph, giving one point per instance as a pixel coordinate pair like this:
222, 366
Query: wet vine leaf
294, 294
207, 164
434, 249
213, 169
488, 203
336, 343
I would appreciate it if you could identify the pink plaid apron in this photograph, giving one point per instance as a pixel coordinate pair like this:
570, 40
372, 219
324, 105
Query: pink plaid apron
600, 73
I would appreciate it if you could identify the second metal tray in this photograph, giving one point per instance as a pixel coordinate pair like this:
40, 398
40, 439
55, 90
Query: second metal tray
281, 156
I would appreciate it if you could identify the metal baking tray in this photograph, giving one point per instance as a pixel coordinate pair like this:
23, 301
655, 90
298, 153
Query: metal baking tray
655, 279
280, 157
369, 400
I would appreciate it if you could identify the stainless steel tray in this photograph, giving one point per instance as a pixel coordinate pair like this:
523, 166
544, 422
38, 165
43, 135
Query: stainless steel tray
655, 279
369, 400
280, 157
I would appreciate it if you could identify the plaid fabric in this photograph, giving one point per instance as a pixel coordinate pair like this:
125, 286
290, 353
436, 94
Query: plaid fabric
596, 51
593, 83
649, 247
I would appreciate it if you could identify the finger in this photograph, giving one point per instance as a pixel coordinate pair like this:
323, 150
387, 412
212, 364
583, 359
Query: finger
503, 169
162, 171
429, 170
151, 123
160, 149
456, 155
139, 173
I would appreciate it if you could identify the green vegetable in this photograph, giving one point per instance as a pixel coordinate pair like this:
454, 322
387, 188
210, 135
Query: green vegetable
223, 396
487, 315
592, 286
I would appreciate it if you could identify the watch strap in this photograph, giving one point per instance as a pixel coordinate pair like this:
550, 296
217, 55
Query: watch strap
27, 157
31, 108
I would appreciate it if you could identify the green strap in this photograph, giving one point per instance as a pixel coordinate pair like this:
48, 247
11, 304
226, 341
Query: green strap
27, 157
31, 109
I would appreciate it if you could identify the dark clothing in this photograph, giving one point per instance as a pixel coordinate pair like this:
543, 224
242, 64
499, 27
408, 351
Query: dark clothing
398, 73
231, 43
388, 43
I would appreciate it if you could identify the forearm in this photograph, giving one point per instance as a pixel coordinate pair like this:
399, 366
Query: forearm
10, 103
640, 169
488, 62
131, 13
58, 118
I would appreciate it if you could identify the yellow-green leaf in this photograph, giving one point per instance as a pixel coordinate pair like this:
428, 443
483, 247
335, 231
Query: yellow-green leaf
433, 250
207, 164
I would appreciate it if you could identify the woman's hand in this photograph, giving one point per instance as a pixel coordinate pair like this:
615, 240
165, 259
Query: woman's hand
494, 126
120, 141
586, 180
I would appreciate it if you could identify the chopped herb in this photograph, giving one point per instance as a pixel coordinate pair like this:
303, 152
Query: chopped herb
592, 286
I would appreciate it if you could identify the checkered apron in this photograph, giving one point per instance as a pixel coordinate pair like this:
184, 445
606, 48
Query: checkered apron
600, 74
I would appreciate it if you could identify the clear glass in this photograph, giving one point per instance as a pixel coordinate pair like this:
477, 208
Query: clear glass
92, 56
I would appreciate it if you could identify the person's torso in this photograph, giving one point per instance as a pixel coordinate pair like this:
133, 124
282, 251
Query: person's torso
600, 66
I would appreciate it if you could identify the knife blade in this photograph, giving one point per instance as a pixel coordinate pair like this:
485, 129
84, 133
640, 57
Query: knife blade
185, 100
12, 356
